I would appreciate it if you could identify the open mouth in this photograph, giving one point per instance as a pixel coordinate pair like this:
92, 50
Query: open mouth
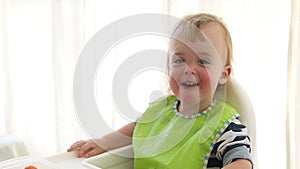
189, 84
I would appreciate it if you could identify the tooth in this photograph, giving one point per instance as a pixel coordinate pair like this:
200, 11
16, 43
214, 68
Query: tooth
189, 84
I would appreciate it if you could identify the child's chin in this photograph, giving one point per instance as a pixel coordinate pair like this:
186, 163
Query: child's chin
190, 99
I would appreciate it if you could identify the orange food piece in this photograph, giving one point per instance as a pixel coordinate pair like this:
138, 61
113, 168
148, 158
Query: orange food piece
30, 167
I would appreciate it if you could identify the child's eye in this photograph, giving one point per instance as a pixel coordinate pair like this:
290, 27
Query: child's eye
203, 62
179, 60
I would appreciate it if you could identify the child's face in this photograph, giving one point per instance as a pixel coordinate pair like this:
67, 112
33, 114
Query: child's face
196, 68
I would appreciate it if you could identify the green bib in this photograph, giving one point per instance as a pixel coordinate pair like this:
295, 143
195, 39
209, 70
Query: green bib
163, 139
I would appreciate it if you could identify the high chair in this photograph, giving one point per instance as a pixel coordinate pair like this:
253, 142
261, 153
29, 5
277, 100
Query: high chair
235, 96
238, 98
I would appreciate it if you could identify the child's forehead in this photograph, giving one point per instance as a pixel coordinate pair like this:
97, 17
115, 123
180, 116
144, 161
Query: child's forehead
196, 46
210, 39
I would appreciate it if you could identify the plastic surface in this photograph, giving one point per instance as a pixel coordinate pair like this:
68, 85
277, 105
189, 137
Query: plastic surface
121, 158
22, 162
67, 160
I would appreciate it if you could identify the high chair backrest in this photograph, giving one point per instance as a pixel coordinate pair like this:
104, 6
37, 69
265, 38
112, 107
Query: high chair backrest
237, 97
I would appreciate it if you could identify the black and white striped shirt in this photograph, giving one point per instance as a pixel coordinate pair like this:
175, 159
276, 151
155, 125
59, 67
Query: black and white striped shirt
232, 145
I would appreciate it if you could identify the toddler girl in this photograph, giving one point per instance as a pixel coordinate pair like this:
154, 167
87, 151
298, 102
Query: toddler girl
192, 128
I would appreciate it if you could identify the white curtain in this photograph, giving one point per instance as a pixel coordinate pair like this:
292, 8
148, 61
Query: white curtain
293, 111
42, 40
26, 65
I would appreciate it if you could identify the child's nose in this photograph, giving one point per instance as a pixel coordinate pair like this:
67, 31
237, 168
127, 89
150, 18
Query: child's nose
190, 69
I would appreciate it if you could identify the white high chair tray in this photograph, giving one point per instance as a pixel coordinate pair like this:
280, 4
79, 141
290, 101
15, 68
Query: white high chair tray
116, 159
59, 161
67, 160
120, 158
25, 161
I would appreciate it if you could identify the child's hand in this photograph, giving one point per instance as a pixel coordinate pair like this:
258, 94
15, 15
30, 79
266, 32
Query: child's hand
119, 138
86, 148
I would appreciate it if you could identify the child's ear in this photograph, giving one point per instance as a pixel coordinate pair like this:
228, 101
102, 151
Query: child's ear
225, 75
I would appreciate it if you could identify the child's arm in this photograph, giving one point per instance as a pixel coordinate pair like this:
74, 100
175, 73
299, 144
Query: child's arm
116, 139
240, 164
233, 147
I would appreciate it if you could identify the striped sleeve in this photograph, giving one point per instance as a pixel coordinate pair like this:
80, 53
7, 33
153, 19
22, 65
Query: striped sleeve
233, 144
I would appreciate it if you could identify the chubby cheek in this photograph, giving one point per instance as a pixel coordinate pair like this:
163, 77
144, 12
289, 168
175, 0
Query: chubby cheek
174, 86
209, 82
205, 78
174, 76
